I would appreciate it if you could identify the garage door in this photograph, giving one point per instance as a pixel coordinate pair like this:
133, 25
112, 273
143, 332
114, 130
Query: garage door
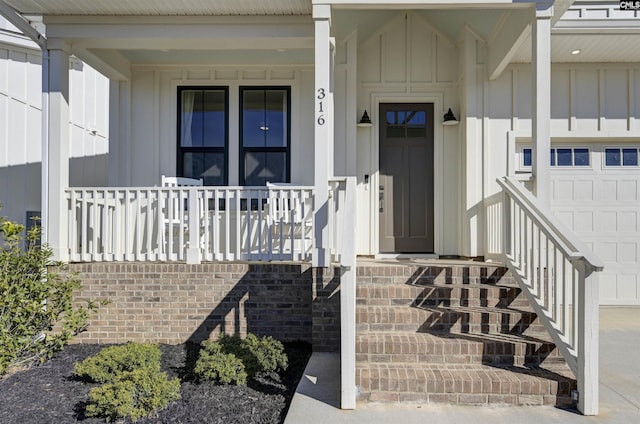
596, 193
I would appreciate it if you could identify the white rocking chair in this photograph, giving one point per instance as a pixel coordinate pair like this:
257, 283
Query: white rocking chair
176, 217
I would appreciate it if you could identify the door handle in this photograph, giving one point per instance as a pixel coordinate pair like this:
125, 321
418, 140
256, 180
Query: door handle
381, 199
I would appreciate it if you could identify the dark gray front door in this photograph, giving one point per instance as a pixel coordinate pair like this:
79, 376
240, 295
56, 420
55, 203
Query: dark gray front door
406, 177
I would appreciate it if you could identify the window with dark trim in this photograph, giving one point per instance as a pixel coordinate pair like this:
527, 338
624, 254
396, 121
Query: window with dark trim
203, 132
265, 135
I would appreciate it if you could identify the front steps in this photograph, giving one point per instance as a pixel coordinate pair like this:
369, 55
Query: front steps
455, 334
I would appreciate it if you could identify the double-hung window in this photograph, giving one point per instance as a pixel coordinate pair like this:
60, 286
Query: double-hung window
265, 135
203, 133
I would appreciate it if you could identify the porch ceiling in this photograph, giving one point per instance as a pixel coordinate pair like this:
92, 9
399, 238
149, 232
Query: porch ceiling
594, 48
162, 7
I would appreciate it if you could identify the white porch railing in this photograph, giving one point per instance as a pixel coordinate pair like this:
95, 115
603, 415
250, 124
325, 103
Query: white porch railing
190, 223
558, 274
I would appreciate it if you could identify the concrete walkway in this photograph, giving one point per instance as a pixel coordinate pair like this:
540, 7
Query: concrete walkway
318, 395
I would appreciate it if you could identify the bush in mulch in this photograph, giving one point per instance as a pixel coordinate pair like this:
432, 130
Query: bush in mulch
50, 393
233, 360
134, 388
114, 360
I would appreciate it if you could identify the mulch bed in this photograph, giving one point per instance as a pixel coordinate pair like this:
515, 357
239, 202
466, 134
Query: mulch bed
49, 393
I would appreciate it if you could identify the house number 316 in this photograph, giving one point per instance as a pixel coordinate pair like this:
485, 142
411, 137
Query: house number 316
321, 95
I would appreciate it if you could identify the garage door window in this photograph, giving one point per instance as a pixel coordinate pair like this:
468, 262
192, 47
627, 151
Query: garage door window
620, 157
562, 156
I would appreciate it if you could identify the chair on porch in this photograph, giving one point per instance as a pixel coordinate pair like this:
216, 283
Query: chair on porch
176, 216
287, 220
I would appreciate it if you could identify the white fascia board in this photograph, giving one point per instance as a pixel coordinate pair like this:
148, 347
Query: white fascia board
176, 20
22, 24
506, 40
110, 63
247, 43
223, 36
421, 4
591, 26
18, 40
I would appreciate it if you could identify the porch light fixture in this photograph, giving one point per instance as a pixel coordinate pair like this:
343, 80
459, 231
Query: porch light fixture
450, 118
575, 52
365, 121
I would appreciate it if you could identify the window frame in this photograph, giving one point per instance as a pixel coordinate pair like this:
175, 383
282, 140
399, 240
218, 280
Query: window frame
620, 148
180, 150
554, 163
242, 150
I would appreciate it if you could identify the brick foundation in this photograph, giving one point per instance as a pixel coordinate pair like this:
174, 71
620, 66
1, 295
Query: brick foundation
174, 303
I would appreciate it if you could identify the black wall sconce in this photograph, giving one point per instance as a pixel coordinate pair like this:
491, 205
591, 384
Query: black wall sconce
450, 118
365, 121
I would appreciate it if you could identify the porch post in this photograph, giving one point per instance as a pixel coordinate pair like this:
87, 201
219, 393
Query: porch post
55, 150
541, 132
323, 135
471, 114
588, 340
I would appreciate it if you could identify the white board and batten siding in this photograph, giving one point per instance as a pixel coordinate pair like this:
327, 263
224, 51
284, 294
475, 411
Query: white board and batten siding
594, 106
153, 119
405, 61
21, 123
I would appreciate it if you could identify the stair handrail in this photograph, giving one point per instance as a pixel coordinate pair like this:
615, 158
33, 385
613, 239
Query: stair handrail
566, 239
558, 274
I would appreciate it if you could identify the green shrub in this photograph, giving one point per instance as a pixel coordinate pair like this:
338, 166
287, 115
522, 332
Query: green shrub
37, 313
257, 354
111, 361
133, 394
215, 365
266, 354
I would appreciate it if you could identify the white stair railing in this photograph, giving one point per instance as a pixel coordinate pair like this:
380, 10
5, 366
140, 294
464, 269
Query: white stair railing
559, 276
190, 223
342, 242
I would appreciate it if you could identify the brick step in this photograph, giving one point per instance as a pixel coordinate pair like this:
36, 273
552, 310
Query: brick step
464, 384
501, 349
494, 295
430, 274
453, 320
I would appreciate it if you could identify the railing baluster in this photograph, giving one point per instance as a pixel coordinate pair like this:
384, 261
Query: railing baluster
85, 228
73, 228
238, 213
117, 218
145, 224
551, 266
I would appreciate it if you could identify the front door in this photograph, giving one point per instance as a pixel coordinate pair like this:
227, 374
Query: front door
406, 178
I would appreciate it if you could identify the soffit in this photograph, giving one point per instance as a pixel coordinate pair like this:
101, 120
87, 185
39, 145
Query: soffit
598, 29
162, 7
594, 48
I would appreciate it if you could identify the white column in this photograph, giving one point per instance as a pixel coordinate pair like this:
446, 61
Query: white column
541, 63
352, 106
119, 139
472, 167
323, 135
55, 150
